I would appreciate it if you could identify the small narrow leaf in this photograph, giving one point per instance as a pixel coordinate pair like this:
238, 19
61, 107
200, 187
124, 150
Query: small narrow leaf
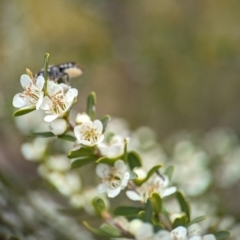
77, 163
148, 211
183, 204
81, 152
91, 102
67, 137
222, 235
134, 160
99, 205
127, 211
150, 173
105, 230
42, 134
105, 121
46, 61
180, 221
156, 202
169, 172
196, 220
23, 111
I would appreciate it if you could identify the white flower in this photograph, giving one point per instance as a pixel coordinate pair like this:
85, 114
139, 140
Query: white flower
84, 200
81, 118
114, 148
155, 184
194, 230
89, 133
34, 151
57, 103
58, 163
179, 233
141, 230
162, 235
205, 237
114, 179
58, 126
32, 94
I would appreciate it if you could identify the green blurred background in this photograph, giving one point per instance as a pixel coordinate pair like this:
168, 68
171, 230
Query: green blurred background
165, 64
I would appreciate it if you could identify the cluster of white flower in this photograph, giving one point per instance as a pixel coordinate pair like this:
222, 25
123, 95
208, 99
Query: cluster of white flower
144, 231
123, 160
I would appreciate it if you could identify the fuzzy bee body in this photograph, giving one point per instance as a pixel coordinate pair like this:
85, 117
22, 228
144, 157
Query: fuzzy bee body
62, 72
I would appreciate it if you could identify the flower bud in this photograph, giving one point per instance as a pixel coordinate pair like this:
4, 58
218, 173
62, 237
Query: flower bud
58, 126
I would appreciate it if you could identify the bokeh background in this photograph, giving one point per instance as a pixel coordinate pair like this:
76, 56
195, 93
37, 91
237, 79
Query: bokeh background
171, 65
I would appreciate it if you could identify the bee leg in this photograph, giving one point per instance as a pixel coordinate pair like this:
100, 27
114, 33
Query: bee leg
66, 79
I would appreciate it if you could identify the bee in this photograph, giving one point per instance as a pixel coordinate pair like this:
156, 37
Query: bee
62, 72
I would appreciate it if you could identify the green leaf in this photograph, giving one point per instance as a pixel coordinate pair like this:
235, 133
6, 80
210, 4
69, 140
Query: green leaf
183, 204
46, 60
81, 152
196, 220
23, 111
107, 160
105, 230
79, 162
222, 235
127, 211
42, 134
125, 154
134, 160
156, 202
169, 172
180, 221
150, 173
13, 238
148, 211
91, 102
67, 137
105, 121
99, 205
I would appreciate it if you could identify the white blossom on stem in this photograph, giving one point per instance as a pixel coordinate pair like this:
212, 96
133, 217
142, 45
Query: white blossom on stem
179, 233
114, 179
58, 126
57, 102
89, 133
32, 94
113, 148
81, 118
155, 184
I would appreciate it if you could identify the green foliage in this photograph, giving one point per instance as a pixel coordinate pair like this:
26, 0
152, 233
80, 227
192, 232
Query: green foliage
133, 160
105, 121
169, 172
23, 111
180, 221
185, 207
42, 134
105, 230
79, 162
149, 174
91, 102
222, 235
127, 211
196, 220
99, 205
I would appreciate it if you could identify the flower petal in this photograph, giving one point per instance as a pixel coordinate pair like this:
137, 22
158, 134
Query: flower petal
113, 192
25, 80
98, 125
40, 82
120, 165
71, 94
102, 170
133, 195
18, 101
46, 104
40, 100
102, 188
168, 191
50, 118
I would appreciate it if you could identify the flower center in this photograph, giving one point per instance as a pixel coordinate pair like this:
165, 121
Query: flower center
59, 105
90, 134
30, 94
